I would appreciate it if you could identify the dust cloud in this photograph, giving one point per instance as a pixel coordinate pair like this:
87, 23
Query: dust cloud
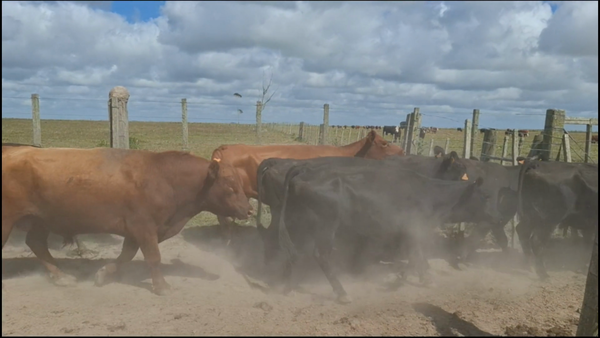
220, 289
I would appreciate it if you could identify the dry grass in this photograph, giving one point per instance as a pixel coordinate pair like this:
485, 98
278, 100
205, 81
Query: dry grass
205, 137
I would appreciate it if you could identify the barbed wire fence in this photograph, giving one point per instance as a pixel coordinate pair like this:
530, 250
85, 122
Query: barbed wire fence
206, 131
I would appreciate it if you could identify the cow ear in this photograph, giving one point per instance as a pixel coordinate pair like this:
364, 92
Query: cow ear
213, 169
479, 181
446, 162
371, 135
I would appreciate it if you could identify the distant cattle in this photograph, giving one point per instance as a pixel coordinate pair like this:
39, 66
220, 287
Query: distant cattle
459, 129
403, 125
523, 133
552, 193
334, 198
392, 130
595, 138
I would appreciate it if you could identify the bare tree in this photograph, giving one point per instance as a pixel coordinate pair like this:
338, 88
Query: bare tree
265, 91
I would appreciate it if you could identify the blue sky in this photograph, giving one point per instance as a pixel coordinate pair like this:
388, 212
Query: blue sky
135, 11
372, 62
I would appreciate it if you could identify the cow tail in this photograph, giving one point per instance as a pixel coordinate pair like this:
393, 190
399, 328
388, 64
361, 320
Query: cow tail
524, 168
259, 212
284, 237
68, 240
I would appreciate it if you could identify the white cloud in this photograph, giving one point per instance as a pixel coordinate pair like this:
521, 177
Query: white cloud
373, 62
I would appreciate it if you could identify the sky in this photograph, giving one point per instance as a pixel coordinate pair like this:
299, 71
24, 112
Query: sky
372, 62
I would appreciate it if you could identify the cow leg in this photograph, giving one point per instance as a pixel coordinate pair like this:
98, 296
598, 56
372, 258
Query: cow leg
37, 241
81, 249
149, 246
500, 236
473, 241
539, 239
130, 248
322, 254
226, 226
7, 226
524, 231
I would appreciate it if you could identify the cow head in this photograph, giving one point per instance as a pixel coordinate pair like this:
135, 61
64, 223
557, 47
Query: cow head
225, 195
475, 200
377, 148
452, 169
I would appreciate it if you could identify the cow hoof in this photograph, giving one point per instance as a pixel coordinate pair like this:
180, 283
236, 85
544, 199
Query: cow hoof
344, 299
82, 253
163, 290
101, 277
65, 280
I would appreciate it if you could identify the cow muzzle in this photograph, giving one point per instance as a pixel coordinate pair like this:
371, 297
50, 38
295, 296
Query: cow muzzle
465, 177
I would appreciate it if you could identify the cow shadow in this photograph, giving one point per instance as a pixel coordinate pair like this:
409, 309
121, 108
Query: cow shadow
133, 273
448, 324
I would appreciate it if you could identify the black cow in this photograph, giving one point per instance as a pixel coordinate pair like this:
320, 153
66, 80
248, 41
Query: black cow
392, 130
271, 175
373, 198
403, 125
459, 129
552, 193
500, 182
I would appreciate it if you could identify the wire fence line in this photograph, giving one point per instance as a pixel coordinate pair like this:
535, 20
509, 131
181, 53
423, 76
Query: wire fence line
239, 130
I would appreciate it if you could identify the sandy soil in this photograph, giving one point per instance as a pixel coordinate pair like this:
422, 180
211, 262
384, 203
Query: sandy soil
212, 296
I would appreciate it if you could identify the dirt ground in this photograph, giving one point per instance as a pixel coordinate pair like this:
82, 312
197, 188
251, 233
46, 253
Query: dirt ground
218, 290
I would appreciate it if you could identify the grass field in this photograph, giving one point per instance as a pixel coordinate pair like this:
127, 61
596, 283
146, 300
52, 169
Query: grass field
204, 138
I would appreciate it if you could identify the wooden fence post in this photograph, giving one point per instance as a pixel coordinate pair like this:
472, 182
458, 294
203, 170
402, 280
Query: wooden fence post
447, 145
516, 146
467, 141
474, 131
35, 117
184, 124
322, 132
488, 147
431, 148
566, 148
301, 132
258, 121
588, 319
118, 116
588, 142
553, 133
406, 133
413, 128
504, 149
324, 139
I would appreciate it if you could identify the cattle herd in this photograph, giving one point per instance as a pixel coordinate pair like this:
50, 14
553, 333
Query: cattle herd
365, 192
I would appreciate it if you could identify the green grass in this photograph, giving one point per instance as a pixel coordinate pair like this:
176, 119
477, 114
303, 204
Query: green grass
205, 137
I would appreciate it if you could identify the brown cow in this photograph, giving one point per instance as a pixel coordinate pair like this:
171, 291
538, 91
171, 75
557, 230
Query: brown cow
595, 138
81, 248
145, 197
247, 158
